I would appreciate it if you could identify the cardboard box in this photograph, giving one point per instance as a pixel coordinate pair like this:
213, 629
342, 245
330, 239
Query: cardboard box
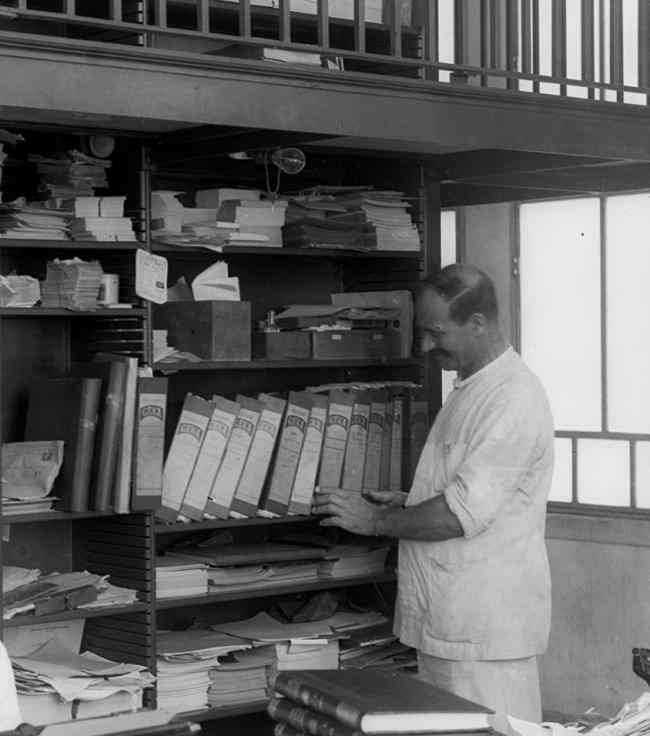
352, 344
212, 330
281, 345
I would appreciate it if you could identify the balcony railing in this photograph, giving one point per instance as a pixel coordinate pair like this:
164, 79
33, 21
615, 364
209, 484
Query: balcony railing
592, 49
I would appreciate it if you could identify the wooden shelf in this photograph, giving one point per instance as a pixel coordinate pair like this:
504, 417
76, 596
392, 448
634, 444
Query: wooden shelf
54, 516
265, 365
27, 619
38, 312
70, 245
264, 592
275, 252
198, 526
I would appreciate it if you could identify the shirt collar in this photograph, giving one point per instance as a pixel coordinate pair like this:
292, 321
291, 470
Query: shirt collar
486, 370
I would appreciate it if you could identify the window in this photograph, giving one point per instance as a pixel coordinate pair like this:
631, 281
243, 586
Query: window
585, 305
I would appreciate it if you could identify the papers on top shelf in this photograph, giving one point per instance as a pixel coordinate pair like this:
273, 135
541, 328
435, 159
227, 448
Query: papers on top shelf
30, 468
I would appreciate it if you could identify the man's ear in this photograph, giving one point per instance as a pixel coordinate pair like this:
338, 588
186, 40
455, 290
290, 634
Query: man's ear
478, 323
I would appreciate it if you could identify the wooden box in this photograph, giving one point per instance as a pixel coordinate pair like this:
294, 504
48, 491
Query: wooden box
212, 330
281, 345
352, 344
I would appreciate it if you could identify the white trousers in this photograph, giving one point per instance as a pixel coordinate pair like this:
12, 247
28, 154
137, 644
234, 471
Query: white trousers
509, 686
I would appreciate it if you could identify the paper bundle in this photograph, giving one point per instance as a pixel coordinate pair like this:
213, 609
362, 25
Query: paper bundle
72, 284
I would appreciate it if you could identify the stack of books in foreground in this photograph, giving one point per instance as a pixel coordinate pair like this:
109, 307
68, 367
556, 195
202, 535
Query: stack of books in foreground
353, 703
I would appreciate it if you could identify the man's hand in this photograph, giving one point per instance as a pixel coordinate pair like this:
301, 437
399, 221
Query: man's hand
348, 510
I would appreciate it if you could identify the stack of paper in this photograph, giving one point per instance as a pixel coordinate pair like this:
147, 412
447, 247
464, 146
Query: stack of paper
345, 560
310, 654
238, 577
260, 221
241, 677
176, 577
101, 228
55, 670
32, 222
29, 470
185, 659
70, 174
72, 284
166, 213
19, 291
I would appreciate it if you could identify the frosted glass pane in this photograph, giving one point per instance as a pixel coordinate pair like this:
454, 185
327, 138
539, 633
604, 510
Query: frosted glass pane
642, 475
604, 472
628, 307
446, 35
560, 307
448, 237
562, 486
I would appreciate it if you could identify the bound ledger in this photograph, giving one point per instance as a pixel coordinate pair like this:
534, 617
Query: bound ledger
335, 438
151, 413
378, 703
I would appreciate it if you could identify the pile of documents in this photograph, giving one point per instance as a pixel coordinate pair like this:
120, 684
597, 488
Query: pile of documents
53, 682
32, 222
241, 677
185, 659
70, 174
28, 591
72, 284
180, 577
374, 646
19, 291
344, 560
29, 470
99, 218
380, 218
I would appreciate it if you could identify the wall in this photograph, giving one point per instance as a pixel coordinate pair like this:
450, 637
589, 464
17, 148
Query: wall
599, 565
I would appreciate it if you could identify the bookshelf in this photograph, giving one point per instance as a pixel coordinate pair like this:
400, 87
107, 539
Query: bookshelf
38, 342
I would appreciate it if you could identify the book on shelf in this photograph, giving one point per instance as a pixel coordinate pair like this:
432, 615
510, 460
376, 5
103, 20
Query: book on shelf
217, 433
121, 496
181, 456
372, 466
109, 428
304, 480
339, 413
380, 703
355, 449
416, 428
67, 409
277, 494
386, 441
246, 500
241, 437
149, 445
396, 454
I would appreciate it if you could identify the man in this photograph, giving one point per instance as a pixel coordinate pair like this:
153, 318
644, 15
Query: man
473, 580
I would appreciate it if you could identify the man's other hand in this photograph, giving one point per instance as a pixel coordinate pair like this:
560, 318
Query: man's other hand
348, 510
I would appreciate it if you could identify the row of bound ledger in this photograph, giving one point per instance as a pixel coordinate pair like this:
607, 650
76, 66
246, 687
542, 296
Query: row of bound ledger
265, 456
353, 703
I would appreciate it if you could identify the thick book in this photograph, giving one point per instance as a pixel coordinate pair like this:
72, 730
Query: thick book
149, 447
375, 702
66, 409
217, 434
416, 429
277, 494
304, 481
396, 441
386, 441
251, 484
339, 413
121, 496
356, 446
241, 437
303, 720
109, 428
181, 456
372, 466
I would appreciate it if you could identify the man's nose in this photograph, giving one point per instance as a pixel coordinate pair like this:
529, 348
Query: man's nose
427, 343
